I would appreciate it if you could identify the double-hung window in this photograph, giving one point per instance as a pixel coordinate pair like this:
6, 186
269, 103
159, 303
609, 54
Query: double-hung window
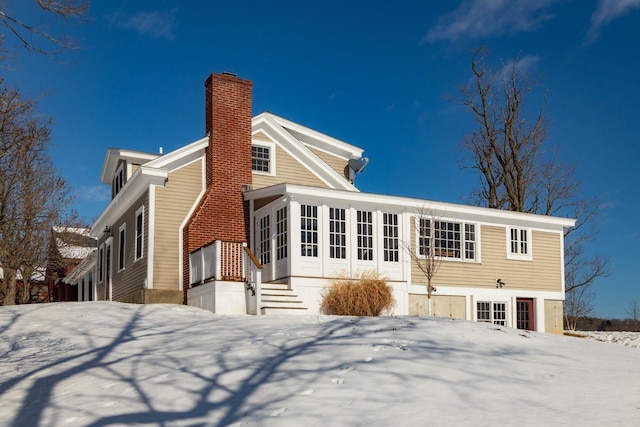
519, 243
122, 244
139, 233
262, 158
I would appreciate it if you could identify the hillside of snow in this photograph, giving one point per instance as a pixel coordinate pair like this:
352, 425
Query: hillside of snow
110, 364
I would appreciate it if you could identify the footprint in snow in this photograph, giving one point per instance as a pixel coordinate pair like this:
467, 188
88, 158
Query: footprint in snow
278, 412
338, 380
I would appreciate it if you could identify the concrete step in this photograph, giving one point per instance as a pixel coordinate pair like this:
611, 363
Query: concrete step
278, 292
282, 303
276, 286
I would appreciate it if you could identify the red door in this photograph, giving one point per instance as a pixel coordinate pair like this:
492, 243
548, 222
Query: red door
525, 314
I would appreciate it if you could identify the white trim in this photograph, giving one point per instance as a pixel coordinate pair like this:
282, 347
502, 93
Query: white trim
203, 190
151, 226
113, 157
440, 209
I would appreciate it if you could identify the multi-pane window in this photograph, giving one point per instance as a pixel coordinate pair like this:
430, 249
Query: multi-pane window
390, 237
281, 233
492, 312
424, 237
260, 156
121, 246
469, 241
364, 225
139, 232
447, 239
337, 233
519, 241
309, 230
265, 240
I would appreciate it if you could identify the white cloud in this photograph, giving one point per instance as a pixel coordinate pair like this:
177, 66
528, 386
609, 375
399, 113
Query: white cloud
484, 18
607, 11
155, 24
98, 193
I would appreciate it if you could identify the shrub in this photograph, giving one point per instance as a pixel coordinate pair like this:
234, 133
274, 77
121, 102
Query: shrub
365, 295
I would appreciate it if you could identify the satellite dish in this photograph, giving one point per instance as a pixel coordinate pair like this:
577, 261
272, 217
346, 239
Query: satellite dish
356, 166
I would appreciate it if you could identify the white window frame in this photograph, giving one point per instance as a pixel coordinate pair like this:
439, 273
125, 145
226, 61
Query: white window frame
337, 233
492, 313
139, 236
309, 229
519, 255
265, 239
364, 235
391, 237
122, 247
282, 227
272, 157
465, 243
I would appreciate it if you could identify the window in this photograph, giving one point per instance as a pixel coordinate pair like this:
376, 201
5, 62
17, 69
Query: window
101, 264
424, 237
337, 233
281, 233
492, 312
447, 239
390, 237
309, 230
519, 243
90, 279
139, 232
118, 180
121, 246
265, 240
364, 225
260, 158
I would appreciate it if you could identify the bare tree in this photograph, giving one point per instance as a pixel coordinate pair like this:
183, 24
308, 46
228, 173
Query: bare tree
30, 33
633, 311
425, 253
577, 304
33, 196
516, 169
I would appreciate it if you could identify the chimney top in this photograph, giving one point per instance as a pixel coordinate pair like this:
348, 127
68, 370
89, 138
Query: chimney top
228, 73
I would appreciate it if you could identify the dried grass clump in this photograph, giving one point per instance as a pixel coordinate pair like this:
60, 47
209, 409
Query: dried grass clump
365, 295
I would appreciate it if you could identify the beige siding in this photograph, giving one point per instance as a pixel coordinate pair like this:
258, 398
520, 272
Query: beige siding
553, 317
173, 202
544, 273
131, 279
288, 170
338, 164
442, 306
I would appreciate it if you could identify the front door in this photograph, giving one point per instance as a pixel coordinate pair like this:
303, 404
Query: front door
525, 314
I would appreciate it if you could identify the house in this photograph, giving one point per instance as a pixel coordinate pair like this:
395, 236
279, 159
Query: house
260, 214
69, 248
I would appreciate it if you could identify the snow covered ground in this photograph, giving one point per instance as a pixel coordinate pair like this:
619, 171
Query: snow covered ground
109, 364
630, 339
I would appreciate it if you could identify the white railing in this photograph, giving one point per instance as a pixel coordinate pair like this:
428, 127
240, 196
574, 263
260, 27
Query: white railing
253, 278
229, 256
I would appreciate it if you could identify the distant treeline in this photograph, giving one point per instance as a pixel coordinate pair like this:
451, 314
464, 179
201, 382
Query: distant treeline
599, 324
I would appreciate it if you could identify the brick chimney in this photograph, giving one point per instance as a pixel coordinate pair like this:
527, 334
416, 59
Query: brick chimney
222, 213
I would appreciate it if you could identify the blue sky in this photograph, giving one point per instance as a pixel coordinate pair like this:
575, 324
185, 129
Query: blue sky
373, 75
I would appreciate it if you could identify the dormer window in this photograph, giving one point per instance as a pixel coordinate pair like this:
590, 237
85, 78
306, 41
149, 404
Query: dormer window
263, 158
118, 180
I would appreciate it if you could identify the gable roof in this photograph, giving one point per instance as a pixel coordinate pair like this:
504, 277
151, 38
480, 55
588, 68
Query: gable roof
113, 157
298, 141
